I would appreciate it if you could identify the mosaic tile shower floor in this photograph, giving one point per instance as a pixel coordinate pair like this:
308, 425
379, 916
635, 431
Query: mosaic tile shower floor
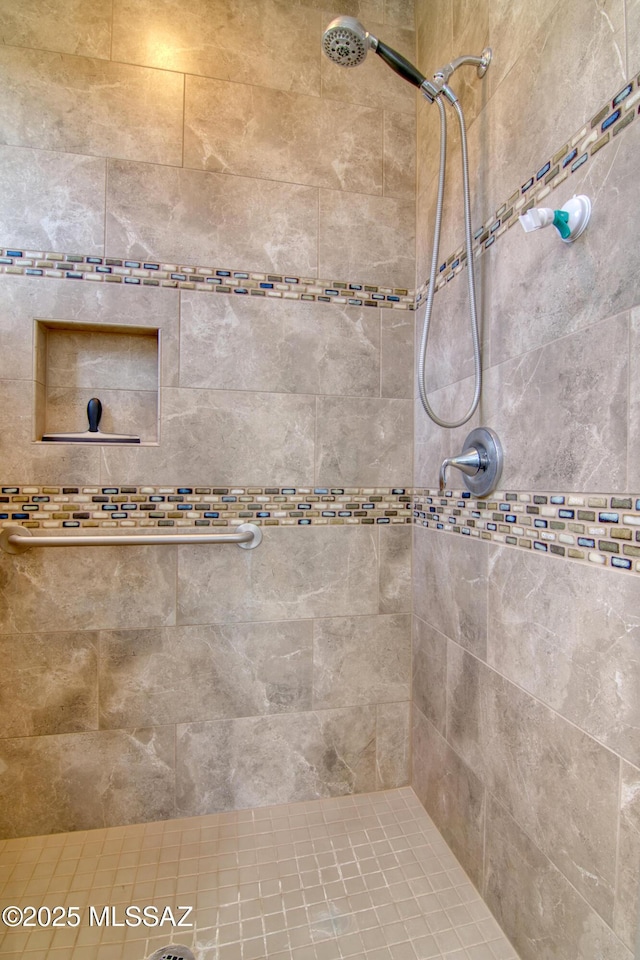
348, 877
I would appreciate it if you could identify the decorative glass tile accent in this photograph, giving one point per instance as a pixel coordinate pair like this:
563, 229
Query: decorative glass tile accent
600, 529
150, 506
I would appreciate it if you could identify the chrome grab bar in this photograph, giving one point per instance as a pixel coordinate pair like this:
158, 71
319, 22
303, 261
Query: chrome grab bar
15, 538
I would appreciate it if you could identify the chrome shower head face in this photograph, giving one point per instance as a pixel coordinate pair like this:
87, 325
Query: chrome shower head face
345, 42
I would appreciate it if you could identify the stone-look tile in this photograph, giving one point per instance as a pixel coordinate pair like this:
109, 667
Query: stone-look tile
252, 131
513, 26
94, 358
450, 587
86, 780
70, 303
270, 43
364, 10
373, 83
451, 794
577, 649
185, 674
632, 13
524, 316
24, 461
48, 684
558, 784
363, 442
361, 660
596, 31
52, 201
538, 909
187, 216
399, 155
87, 588
236, 764
213, 437
434, 34
396, 353
576, 392
83, 30
117, 110
633, 446
233, 343
429, 679
626, 914
399, 12
293, 574
393, 736
368, 239
395, 569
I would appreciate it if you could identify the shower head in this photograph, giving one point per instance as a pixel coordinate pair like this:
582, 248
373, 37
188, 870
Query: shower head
346, 42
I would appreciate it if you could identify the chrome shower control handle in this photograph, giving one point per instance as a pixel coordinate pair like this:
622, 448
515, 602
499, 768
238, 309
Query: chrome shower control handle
480, 462
470, 462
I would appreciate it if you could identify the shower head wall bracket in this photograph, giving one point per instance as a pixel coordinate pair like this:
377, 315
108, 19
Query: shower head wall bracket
480, 461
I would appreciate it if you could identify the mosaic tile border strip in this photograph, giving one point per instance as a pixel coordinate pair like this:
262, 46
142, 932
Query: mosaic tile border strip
602, 530
126, 507
69, 266
616, 115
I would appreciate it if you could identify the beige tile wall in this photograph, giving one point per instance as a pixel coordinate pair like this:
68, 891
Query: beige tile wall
526, 708
141, 678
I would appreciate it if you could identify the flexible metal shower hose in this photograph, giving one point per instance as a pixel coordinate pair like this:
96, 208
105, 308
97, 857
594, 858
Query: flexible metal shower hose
434, 265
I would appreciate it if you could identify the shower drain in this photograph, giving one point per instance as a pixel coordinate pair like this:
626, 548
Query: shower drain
173, 952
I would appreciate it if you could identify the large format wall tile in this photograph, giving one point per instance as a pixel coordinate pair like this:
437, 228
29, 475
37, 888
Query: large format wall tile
369, 239
451, 794
187, 216
558, 784
87, 588
538, 909
429, 673
52, 201
633, 445
240, 344
393, 745
24, 461
363, 442
86, 780
184, 674
578, 650
83, 29
294, 574
235, 764
399, 174
251, 131
271, 43
395, 568
213, 437
575, 391
626, 916
396, 353
450, 587
48, 684
361, 660
118, 110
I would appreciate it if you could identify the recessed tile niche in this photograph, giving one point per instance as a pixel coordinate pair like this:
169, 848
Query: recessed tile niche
74, 362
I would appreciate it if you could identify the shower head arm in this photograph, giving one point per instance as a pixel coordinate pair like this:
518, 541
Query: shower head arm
443, 75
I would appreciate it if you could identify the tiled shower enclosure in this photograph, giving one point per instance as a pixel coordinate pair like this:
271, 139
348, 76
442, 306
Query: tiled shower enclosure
226, 239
